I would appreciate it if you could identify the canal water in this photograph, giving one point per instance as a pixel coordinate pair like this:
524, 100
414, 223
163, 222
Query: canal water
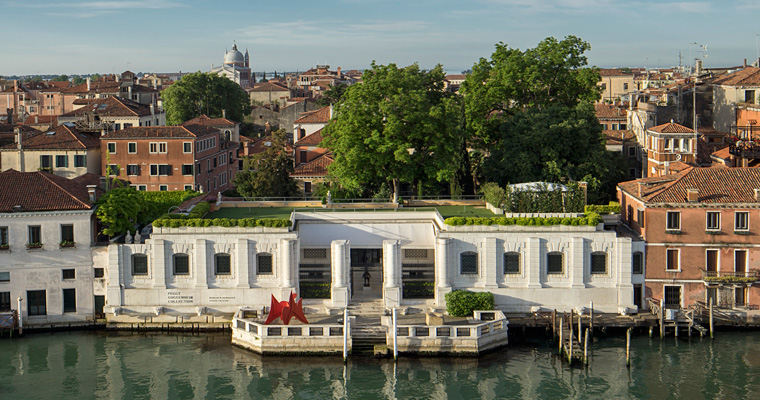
99, 365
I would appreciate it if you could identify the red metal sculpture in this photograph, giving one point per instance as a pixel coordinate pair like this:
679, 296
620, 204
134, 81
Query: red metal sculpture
286, 310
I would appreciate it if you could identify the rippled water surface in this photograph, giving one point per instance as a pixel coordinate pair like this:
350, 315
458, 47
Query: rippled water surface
85, 365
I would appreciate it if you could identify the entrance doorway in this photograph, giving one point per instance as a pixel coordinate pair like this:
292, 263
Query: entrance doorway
366, 274
637, 296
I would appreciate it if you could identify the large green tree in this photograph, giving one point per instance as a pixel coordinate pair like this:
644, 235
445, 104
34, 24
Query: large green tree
267, 174
397, 126
120, 210
204, 93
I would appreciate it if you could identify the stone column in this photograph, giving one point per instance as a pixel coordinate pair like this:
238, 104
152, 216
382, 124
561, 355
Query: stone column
159, 257
201, 262
242, 263
535, 262
287, 259
621, 266
490, 276
341, 262
442, 266
392, 273
577, 263
116, 268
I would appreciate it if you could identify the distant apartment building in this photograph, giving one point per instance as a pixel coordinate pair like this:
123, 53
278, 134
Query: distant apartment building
729, 91
151, 158
269, 93
123, 85
112, 113
615, 83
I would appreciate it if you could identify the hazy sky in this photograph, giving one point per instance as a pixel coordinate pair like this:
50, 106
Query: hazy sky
76, 37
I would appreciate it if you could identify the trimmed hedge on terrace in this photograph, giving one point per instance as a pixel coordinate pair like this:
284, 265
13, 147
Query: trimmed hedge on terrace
461, 303
612, 208
198, 211
222, 222
590, 219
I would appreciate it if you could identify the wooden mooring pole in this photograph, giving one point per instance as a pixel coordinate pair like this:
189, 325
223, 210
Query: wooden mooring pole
711, 317
585, 348
561, 328
580, 325
662, 319
554, 323
628, 347
591, 323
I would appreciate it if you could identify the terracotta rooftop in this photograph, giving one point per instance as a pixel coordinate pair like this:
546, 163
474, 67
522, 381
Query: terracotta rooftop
670, 127
64, 137
311, 140
41, 119
269, 87
41, 191
315, 167
613, 72
749, 76
607, 111
207, 121
105, 87
618, 137
111, 106
714, 185
722, 154
11, 128
456, 77
179, 131
321, 116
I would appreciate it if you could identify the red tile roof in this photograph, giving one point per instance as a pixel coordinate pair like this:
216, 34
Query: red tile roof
11, 128
606, 111
41, 119
670, 127
618, 137
110, 106
714, 185
315, 167
179, 131
41, 191
311, 140
269, 87
64, 137
207, 121
749, 76
613, 72
321, 116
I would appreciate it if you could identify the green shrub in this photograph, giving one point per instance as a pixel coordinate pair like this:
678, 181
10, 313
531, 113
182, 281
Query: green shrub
612, 208
590, 219
493, 194
461, 303
222, 222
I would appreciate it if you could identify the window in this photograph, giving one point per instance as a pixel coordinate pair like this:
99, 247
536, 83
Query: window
164, 169
69, 300
673, 221
223, 159
668, 144
46, 161
222, 264
163, 188
62, 161
68, 274
264, 264
139, 264
468, 263
154, 170
214, 162
126, 125
162, 147
67, 233
623, 127
5, 301
223, 179
80, 161
713, 221
113, 169
99, 272
36, 302
749, 96
711, 261
632, 151
672, 261
5, 276
307, 187
672, 296
198, 168
625, 85
181, 264
132, 148
157, 147
188, 187
35, 234
741, 221
142, 188
555, 263
116, 127
640, 217
598, 262
302, 156
133, 170
3, 236
638, 263
111, 147
187, 147
511, 262
187, 169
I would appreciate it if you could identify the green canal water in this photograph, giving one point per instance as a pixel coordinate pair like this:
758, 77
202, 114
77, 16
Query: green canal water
98, 365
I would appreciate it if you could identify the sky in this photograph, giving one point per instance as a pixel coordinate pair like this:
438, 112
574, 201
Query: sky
82, 37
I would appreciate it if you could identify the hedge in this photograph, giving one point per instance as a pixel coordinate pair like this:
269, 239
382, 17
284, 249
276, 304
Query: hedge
461, 303
222, 222
160, 202
612, 208
200, 210
590, 219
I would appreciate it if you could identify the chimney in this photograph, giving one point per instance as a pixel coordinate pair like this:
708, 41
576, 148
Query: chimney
641, 184
36, 119
17, 131
152, 113
129, 89
745, 63
102, 182
9, 112
666, 168
15, 85
692, 195
757, 194
88, 83
224, 113
584, 186
91, 192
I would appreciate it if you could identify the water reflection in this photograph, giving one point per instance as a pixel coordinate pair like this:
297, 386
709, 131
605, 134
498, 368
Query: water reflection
98, 365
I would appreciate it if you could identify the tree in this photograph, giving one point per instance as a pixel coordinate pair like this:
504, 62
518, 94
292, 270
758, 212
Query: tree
267, 174
77, 80
120, 209
60, 78
204, 93
332, 95
397, 126
95, 77
35, 78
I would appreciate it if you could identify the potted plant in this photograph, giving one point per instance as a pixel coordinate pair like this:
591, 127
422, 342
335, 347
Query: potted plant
67, 243
5, 246
34, 245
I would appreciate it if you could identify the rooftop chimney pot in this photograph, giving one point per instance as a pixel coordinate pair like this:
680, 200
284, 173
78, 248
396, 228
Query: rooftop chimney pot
692, 195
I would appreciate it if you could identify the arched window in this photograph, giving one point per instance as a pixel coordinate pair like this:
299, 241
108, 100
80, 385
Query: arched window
511, 262
139, 264
468, 263
555, 262
222, 264
264, 264
599, 262
181, 264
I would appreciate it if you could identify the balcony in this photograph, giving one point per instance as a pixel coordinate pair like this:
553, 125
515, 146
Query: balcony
731, 277
745, 149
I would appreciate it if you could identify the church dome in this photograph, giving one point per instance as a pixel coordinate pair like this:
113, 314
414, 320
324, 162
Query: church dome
234, 56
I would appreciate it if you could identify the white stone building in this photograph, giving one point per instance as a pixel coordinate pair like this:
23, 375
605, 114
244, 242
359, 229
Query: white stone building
389, 259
